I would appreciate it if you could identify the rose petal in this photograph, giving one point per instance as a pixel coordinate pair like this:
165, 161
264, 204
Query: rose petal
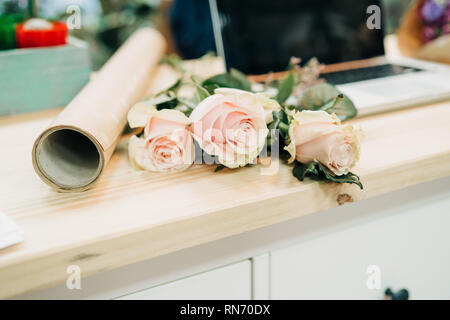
140, 114
246, 97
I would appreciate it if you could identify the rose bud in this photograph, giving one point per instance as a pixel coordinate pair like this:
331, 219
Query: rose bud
316, 136
166, 144
231, 124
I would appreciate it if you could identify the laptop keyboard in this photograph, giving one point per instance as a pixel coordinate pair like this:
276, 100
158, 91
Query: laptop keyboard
366, 73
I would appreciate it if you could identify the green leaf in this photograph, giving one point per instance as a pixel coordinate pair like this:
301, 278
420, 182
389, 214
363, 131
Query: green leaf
324, 96
281, 122
210, 87
317, 171
286, 87
246, 84
164, 100
219, 167
301, 170
278, 117
167, 105
233, 79
318, 95
346, 178
202, 93
342, 106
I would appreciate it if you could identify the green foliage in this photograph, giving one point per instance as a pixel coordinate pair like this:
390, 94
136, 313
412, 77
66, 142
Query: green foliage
219, 167
324, 96
318, 95
286, 87
342, 106
281, 122
201, 92
317, 171
233, 79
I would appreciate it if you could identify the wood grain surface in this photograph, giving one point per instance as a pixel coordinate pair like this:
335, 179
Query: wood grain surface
130, 216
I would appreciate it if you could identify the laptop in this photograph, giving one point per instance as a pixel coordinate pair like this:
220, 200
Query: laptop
260, 36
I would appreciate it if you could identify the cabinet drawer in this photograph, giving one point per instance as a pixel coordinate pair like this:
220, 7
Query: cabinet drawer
230, 282
409, 243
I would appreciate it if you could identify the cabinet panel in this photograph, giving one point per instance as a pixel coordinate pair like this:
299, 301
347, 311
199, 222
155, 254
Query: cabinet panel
230, 282
409, 244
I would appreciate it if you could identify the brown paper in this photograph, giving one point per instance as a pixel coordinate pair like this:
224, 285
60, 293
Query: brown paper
71, 154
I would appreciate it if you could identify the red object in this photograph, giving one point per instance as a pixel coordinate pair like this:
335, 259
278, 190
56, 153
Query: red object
41, 38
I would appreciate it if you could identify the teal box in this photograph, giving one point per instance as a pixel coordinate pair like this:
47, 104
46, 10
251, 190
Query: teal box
42, 78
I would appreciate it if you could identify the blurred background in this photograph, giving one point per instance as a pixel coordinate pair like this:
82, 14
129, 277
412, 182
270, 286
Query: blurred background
186, 24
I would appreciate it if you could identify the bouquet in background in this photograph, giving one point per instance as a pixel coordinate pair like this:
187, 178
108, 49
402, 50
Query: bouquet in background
435, 17
424, 32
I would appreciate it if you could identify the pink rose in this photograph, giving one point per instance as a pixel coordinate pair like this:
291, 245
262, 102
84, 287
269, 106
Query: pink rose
319, 136
231, 125
167, 143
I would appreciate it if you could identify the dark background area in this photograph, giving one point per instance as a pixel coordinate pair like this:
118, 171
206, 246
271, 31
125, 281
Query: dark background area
185, 23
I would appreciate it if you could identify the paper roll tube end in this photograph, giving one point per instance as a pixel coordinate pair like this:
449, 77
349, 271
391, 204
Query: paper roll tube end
67, 159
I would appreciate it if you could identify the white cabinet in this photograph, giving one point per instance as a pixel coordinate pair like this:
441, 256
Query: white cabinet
409, 243
230, 282
405, 235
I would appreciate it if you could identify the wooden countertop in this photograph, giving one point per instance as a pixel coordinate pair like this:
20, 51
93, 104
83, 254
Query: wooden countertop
130, 216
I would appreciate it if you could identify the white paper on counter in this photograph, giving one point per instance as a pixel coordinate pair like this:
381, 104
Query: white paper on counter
10, 233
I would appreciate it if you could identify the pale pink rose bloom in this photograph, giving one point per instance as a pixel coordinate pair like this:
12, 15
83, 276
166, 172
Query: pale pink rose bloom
319, 136
231, 125
167, 143
250, 98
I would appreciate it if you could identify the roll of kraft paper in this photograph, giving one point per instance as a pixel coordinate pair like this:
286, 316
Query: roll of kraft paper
71, 154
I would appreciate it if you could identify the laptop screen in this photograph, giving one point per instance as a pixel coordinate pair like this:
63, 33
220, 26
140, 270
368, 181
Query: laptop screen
259, 36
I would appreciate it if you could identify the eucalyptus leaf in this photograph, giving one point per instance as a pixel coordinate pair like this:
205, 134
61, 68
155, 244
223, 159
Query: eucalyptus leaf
317, 171
342, 106
286, 87
318, 95
326, 97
